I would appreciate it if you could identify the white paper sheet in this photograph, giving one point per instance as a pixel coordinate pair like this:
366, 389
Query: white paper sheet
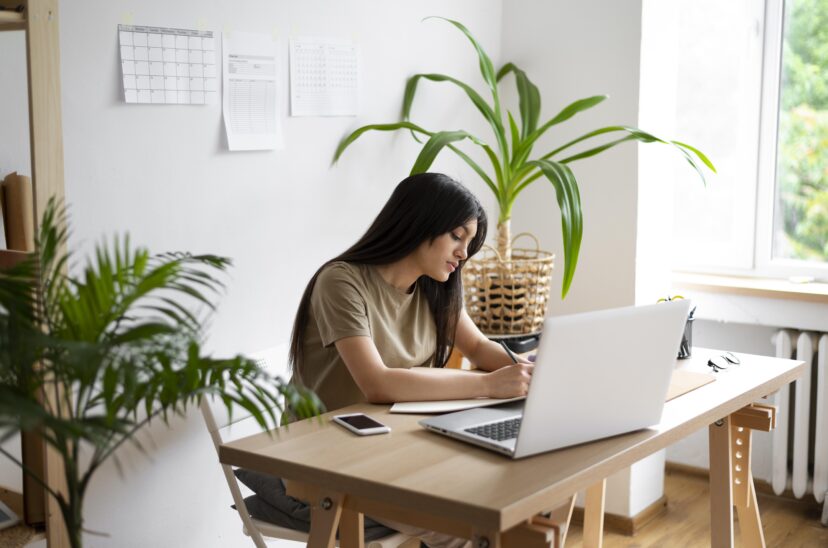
168, 66
324, 77
446, 406
250, 92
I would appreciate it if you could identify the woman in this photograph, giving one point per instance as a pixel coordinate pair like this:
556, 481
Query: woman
393, 301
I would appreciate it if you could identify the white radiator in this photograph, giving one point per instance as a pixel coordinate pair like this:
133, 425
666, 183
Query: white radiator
805, 469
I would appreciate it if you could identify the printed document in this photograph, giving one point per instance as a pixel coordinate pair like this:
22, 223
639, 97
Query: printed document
250, 97
324, 77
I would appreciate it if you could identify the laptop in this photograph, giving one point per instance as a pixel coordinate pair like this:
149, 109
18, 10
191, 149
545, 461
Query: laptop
597, 374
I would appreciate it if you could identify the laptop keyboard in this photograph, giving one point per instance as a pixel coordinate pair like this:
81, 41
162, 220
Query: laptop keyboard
498, 431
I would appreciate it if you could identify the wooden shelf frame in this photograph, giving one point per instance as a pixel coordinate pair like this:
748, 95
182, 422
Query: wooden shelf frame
39, 20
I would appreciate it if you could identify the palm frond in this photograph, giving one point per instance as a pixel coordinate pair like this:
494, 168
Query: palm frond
114, 348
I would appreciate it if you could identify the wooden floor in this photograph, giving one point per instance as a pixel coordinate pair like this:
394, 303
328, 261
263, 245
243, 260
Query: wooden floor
686, 524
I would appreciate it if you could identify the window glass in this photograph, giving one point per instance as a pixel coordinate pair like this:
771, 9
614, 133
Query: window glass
717, 109
800, 217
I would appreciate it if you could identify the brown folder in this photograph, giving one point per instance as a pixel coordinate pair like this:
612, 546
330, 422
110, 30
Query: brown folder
18, 199
686, 381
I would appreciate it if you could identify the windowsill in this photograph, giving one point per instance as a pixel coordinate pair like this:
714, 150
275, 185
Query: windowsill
815, 292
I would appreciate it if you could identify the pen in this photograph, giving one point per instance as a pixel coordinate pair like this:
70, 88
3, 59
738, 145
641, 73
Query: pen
508, 351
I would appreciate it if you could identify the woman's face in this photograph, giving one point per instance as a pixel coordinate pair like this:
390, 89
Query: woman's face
439, 258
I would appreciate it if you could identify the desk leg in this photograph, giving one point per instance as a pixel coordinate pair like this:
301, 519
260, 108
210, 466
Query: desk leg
743, 422
325, 513
562, 516
721, 495
351, 529
750, 524
594, 515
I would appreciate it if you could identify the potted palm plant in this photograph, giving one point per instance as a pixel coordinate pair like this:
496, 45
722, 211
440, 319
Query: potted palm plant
87, 361
513, 166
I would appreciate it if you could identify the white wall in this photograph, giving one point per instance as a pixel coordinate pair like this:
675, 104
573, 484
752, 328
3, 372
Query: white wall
657, 98
573, 50
14, 123
163, 173
14, 156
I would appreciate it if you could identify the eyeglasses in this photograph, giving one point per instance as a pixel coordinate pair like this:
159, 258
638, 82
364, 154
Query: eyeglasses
722, 362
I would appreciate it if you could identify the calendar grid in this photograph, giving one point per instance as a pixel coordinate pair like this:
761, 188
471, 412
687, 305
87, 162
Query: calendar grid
163, 65
324, 76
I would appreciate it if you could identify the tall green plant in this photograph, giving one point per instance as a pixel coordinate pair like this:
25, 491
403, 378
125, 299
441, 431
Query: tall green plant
87, 361
513, 164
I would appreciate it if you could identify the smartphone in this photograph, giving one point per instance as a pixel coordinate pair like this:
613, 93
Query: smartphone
362, 424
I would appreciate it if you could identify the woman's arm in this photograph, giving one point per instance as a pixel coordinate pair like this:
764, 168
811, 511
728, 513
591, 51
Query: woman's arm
481, 352
382, 384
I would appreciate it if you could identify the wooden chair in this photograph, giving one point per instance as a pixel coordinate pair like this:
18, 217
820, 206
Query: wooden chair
220, 426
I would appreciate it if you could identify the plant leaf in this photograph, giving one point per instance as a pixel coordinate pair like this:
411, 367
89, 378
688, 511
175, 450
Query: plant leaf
698, 153
596, 150
486, 66
529, 98
568, 112
638, 135
481, 105
476, 99
353, 136
435, 144
483, 175
515, 134
569, 202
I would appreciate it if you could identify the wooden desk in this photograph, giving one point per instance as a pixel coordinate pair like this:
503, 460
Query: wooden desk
428, 480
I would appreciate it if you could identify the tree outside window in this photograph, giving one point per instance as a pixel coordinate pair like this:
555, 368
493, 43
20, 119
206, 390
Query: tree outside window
801, 212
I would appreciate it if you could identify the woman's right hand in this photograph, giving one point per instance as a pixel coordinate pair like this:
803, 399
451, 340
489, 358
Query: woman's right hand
510, 381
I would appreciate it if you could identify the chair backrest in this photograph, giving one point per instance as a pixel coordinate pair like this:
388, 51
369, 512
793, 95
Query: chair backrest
232, 483
224, 426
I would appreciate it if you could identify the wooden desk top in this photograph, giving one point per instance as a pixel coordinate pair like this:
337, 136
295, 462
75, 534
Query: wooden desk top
417, 469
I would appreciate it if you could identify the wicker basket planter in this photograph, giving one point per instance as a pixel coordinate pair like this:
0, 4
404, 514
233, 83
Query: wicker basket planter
508, 297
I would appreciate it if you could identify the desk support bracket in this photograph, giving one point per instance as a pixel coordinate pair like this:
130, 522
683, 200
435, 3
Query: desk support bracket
327, 515
542, 530
731, 478
326, 511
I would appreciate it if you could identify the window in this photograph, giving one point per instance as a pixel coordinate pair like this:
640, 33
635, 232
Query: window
794, 226
751, 91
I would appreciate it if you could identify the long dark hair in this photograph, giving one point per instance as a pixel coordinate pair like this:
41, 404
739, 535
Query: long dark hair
421, 208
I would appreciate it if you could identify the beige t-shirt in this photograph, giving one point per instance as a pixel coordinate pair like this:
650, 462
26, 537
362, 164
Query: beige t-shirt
352, 300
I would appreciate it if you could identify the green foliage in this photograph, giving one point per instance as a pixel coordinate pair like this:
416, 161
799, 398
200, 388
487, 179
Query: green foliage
805, 77
802, 179
513, 165
87, 361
